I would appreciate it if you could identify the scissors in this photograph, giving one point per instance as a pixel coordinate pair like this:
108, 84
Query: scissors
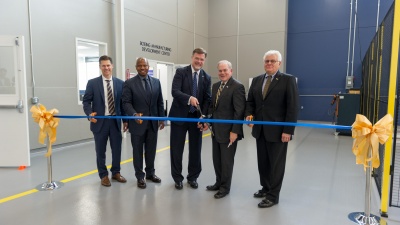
230, 143
202, 116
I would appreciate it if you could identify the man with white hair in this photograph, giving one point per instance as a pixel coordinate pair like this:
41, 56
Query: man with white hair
273, 96
228, 103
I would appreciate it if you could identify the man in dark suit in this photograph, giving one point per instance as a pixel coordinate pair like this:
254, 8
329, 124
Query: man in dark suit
191, 87
273, 96
142, 96
228, 102
103, 98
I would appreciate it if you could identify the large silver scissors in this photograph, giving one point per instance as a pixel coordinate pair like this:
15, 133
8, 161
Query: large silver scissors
202, 116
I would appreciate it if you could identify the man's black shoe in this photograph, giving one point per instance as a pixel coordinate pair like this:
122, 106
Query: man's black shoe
260, 194
193, 184
212, 188
220, 194
266, 203
178, 185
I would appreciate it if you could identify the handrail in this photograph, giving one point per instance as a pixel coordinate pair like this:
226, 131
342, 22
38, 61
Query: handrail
19, 106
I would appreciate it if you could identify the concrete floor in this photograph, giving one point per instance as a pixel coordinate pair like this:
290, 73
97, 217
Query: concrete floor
322, 185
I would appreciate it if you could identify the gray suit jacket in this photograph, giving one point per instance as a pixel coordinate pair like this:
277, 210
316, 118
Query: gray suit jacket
281, 104
135, 100
230, 106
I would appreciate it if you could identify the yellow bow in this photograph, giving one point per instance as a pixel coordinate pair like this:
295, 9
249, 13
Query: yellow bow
367, 136
47, 123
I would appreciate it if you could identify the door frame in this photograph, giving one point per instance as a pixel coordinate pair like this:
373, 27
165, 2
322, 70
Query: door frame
14, 132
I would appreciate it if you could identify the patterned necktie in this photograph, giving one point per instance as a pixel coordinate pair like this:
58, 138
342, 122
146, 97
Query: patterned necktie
194, 91
219, 92
147, 87
110, 98
266, 86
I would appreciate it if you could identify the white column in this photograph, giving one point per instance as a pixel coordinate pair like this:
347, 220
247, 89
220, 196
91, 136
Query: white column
119, 62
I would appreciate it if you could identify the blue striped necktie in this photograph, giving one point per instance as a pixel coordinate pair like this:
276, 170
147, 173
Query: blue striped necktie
194, 91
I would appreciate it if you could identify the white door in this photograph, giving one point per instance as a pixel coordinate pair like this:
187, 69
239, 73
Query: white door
166, 75
165, 72
14, 137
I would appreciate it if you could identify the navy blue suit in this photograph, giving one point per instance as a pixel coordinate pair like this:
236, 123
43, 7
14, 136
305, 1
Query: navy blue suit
181, 92
94, 101
136, 100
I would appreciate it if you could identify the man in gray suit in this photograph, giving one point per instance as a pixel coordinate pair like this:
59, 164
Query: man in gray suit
142, 96
228, 102
273, 96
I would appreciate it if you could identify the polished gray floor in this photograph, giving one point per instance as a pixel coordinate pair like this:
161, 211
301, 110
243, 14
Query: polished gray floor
322, 185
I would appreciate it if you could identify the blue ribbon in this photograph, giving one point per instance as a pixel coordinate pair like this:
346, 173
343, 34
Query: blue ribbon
325, 126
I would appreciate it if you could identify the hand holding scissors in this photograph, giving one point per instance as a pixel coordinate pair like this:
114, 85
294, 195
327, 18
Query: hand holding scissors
232, 138
206, 123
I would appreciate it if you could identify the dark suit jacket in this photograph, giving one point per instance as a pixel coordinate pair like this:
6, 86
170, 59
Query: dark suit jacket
231, 106
182, 90
281, 104
134, 100
93, 100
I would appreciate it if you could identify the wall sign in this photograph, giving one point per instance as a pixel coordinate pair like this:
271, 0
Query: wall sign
154, 48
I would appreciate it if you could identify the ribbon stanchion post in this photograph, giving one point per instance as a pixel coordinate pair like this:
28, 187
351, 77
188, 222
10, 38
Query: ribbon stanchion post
366, 218
48, 131
366, 149
50, 184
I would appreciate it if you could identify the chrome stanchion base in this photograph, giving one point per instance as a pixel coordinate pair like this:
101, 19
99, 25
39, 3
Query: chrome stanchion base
49, 186
360, 218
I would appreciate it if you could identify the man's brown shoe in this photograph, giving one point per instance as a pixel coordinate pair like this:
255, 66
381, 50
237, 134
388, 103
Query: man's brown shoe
118, 178
105, 181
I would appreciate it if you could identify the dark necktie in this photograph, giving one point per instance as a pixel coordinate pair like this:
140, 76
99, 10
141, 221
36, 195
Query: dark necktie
147, 87
194, 91
219, 92
110, 99
266, 86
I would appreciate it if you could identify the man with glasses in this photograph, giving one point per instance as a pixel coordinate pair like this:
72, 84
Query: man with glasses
273, 96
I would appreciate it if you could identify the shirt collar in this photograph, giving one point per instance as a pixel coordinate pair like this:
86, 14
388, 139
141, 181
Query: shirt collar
104, 79
226, 82
272, 77
197, 72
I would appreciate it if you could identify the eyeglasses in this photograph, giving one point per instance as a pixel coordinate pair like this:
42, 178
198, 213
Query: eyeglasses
270, 61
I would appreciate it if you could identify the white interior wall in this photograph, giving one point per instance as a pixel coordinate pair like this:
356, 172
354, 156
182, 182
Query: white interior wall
240, 36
